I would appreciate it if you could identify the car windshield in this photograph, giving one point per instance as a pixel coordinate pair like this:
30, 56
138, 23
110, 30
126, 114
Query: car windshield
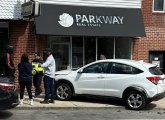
155, 71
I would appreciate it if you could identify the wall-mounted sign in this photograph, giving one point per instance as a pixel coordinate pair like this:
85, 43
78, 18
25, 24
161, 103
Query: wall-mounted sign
156, 63
89, 21
30, 9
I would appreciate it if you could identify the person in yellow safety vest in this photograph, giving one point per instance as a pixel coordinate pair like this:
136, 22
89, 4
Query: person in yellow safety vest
36, 68
37, 73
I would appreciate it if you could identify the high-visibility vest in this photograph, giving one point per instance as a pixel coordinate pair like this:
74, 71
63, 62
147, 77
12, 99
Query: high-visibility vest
36, 68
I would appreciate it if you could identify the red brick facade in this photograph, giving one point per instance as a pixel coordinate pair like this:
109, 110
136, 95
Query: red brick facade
22, 37
155, 33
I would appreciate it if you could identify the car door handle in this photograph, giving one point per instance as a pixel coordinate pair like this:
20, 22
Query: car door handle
100, 77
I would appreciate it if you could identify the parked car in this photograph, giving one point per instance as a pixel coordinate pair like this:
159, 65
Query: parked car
136, 82
8, 97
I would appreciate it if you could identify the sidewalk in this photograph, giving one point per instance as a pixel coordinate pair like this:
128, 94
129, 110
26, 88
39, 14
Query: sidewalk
87, 103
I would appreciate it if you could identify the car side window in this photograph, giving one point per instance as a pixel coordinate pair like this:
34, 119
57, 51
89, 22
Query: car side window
96, 68
118, 68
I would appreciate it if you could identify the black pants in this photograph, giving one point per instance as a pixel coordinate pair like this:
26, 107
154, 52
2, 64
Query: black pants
28, 85
37, 84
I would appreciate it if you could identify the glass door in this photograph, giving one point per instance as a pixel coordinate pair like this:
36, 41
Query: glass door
61, 55
90, 49
61, 51
77, 52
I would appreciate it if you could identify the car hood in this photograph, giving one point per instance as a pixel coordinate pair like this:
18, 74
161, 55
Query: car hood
63, 72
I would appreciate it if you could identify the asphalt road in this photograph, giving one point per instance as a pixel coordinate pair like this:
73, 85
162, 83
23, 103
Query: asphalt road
80, 114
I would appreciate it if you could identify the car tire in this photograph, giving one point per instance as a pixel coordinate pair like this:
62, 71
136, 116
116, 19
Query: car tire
63, 91
135, 100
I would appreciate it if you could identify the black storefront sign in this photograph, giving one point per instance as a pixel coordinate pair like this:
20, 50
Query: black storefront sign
89, 21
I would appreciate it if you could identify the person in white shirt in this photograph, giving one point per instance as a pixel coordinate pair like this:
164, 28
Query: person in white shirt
49, 77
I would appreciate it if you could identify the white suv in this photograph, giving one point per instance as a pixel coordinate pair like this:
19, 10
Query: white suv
136, 82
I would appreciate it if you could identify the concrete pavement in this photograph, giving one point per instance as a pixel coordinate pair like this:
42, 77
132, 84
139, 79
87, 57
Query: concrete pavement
84, 103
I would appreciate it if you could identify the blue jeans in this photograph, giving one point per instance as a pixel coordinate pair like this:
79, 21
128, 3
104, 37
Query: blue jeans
49, 85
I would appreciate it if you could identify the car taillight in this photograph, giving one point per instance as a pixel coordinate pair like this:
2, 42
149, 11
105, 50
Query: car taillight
6, 86
154, 79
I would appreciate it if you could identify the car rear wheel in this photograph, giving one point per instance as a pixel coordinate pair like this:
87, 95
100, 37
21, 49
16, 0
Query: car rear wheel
135, 100
63, 91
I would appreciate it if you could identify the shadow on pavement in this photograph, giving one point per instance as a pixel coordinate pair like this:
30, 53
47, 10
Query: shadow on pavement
150, 106
108, 101
5, 114
91, 99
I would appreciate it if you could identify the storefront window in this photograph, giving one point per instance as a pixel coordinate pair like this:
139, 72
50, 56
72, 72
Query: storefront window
74, 52
123, 47
77, 52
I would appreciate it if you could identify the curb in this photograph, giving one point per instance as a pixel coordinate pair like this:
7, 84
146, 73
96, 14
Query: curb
79, 107
59, 108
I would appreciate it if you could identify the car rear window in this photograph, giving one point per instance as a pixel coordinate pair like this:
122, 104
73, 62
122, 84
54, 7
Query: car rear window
119, 68
155, 71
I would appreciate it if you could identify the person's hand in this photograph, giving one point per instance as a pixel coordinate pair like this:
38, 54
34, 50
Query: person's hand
39, 64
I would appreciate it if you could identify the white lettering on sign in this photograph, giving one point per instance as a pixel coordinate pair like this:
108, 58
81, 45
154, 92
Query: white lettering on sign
97, 21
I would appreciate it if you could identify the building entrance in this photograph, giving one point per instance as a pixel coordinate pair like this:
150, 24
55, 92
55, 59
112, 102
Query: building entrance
3, 42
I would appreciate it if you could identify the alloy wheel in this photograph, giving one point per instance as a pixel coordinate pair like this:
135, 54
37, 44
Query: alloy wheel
135, 100
63, 92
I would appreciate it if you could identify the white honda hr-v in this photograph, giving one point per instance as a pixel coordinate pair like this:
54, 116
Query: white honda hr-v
136, 82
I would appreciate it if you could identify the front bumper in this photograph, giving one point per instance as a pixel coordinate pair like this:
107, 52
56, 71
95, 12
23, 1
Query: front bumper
157, 97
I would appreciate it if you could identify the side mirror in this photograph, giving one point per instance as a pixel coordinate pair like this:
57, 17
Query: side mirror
80, 71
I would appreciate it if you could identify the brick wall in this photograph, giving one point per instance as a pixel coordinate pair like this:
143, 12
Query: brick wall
155, 33
22, 37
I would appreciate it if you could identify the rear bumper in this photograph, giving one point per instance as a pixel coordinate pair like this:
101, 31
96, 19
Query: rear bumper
9, 101
157, 97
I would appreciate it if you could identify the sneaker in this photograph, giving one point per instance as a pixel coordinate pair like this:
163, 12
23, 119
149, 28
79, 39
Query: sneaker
44, 102
31, 102
51, 101
21, 102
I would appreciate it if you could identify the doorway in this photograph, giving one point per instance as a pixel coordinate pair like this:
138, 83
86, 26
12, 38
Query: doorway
3, 42
61, 51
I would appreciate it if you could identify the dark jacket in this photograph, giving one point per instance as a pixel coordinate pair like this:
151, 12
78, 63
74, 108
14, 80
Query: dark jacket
7, 65
25, 71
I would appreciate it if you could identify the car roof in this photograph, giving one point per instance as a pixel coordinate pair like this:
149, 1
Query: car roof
135, 63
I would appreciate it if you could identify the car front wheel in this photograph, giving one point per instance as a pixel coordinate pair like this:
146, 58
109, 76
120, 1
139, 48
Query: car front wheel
63, 91
135, 100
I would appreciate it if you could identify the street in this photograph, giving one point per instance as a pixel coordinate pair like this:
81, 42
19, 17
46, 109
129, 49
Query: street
80, 114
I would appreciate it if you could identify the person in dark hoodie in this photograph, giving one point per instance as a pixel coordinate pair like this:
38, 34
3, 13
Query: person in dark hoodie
7, 62
25, 78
